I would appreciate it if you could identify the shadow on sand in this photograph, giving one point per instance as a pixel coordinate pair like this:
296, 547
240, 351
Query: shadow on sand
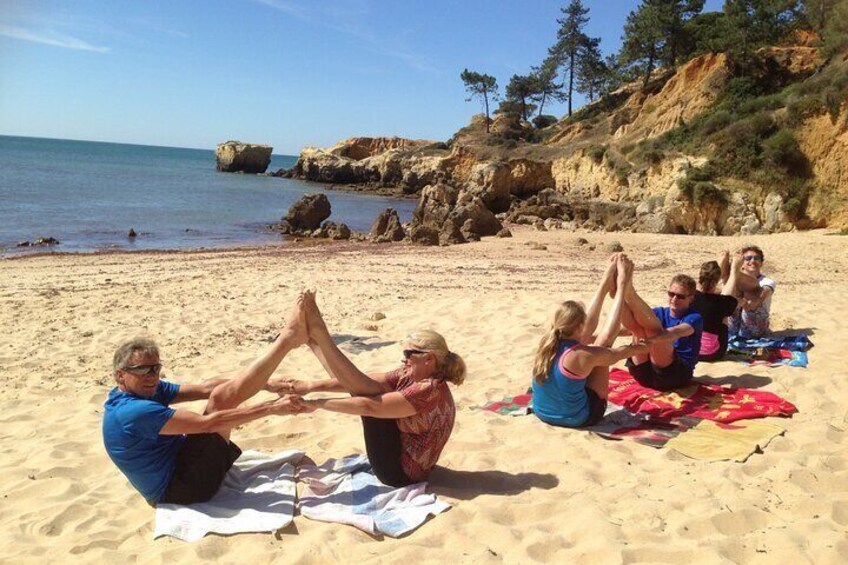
467, 485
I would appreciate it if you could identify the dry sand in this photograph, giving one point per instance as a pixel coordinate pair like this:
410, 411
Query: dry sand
522, 491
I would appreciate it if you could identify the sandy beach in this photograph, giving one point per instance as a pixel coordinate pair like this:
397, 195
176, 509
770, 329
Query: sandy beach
521, 491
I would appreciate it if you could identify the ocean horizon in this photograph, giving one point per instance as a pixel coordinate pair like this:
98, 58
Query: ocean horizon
89, 194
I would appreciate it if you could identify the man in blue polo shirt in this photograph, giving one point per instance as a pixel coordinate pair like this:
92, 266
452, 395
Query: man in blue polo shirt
672, 333
176, 455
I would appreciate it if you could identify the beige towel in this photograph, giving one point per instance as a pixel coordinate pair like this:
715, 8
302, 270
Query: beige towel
711, 441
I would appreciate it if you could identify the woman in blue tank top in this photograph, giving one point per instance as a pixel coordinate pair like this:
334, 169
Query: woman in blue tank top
571, 368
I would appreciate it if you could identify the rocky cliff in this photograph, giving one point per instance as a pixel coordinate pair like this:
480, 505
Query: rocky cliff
601, 168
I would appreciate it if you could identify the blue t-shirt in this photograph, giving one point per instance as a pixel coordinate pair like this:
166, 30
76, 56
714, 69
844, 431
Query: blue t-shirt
131, 426
687, 348
561, 400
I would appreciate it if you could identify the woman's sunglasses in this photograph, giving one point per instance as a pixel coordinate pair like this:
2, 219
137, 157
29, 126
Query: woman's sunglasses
407, 353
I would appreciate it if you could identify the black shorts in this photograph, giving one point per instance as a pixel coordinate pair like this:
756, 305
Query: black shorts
384, 448
597, 408
202, 463
676, 375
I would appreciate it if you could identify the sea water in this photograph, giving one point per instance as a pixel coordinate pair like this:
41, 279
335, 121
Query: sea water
88, 195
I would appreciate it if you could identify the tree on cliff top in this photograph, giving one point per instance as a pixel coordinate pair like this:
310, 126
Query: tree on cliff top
753, 23
655, 33
547, 88
482, 86
571, 42
520, 90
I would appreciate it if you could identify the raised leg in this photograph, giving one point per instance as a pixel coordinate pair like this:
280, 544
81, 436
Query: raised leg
645, 326
251, 380
331, 357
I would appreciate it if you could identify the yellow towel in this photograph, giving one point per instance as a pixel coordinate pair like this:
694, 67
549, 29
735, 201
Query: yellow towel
711, 441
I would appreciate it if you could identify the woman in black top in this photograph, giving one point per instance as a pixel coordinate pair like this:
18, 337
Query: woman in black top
714, 307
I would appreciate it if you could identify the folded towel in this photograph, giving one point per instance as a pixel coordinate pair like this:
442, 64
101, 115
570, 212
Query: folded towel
796, 342
257, 495
787, 350
712, 441
346, 491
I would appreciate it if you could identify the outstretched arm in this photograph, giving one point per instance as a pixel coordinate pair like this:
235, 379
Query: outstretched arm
222, 421
196, 391
671, 334
730, 287
391, 405
301, 387
593, 356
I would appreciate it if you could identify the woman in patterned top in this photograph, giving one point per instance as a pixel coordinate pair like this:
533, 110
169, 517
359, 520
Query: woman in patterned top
407, 414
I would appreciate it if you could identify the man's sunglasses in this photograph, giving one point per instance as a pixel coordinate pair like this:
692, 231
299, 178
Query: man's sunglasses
407, 353
752, 258
677, 295
143, 370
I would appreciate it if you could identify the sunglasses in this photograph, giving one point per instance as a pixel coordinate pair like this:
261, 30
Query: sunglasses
407, 353
677, 295
143, 370
752, 258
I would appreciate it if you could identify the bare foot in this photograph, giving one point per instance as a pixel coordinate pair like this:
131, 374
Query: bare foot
296, 324
314, 322
625, 269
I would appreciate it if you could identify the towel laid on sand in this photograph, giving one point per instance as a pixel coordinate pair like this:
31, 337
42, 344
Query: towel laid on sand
771, 351
520, 405
714, 441
619, 423
257, 495
708, 402
346, 491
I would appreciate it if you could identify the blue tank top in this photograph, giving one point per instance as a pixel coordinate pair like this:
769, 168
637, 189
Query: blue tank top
561, 399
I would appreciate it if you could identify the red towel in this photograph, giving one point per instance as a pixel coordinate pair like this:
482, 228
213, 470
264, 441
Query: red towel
710, 402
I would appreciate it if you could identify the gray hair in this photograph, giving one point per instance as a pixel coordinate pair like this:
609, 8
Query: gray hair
125, 351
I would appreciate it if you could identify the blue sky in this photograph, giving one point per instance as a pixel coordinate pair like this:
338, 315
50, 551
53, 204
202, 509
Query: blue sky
289, 73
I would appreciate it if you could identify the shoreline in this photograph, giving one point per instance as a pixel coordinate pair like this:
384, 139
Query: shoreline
305, 242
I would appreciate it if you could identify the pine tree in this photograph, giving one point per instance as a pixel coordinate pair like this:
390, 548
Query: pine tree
655, 33
482, 86
571, 40
547, 88
521, 90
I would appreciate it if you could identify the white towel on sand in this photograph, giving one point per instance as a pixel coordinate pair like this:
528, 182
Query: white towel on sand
347, 491
257, 495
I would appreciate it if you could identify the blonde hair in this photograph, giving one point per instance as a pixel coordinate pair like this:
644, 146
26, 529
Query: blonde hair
449, 364
568, 317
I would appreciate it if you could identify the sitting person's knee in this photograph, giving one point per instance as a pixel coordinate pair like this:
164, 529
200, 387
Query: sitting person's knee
222, 397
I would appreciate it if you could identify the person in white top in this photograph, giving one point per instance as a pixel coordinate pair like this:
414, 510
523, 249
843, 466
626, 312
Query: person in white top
751, 319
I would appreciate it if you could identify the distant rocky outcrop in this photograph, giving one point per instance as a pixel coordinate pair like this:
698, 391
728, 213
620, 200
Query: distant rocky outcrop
390, 165
238, 157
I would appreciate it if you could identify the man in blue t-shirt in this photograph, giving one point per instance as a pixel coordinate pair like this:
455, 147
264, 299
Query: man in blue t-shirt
176, 455
673, 335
